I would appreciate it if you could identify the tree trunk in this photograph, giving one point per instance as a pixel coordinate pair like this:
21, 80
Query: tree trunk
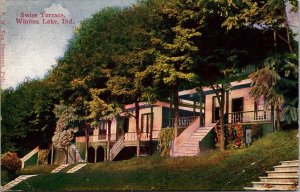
138, 134
287, 30
221, 101
67, 155
275, 40
176, 111
86, 132
277, 118
151, 129
222, 129
108, 138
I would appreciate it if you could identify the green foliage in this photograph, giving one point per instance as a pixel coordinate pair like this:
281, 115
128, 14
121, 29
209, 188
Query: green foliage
27, 118
165, 137
277, 82
11, 162
235, 134
43, 156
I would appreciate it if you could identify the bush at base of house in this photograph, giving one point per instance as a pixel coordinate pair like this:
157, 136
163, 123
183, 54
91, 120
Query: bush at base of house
235, 134
43, 156
11, 162
165, 138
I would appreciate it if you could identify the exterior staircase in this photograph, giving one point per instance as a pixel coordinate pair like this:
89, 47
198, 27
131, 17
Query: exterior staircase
28, 156
74, 155
117, 147
187, 143
284, 177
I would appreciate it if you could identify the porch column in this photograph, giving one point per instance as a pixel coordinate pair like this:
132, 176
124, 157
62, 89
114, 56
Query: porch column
151, 129
170, 109
201, 124
272, 117
95, 160
52, 153
226, 107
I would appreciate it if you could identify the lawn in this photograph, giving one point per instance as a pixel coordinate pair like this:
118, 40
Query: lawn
229, 170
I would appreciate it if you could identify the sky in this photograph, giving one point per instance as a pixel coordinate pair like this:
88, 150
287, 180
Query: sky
31, 49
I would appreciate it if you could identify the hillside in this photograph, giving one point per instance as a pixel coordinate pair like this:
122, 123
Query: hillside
230, 170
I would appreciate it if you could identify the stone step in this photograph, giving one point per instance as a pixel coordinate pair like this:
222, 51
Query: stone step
76, 168
204, 128
59, 168
282, 173
187, 150
184, 154
191, 145
274, 185
16, 181
286, 168
193, 139
260, 189
295, 162
279, 179
199, 134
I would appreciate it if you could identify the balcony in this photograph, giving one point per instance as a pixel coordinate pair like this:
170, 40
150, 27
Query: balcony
250, 116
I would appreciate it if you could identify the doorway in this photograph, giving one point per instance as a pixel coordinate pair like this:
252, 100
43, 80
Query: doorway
146, 120
215, 110
91, 155
100, 154
237, 109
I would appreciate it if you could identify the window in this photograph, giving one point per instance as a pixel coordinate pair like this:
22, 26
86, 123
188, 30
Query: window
215, 109
102, 129
146, 120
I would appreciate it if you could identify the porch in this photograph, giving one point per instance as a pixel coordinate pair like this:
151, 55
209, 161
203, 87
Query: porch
258, 116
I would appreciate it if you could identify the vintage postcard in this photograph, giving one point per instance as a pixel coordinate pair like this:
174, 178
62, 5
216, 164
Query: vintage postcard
149, 95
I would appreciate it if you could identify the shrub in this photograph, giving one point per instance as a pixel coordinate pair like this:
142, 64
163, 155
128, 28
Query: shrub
43, 156
11, 162
165, 137
235, 134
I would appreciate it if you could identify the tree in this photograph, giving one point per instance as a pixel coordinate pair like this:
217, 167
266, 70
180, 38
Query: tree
66, 126
171, 67
27, 115
101, 110
277, 76
276, 82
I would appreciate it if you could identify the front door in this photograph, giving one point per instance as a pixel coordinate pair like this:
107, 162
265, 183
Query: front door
146, 119
215, 110
237, 109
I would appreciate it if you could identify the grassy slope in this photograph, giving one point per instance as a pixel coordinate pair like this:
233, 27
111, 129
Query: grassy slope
230, 170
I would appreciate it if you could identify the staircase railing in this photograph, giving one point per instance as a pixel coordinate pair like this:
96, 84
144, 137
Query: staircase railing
28, 156
185, 134
183, 121
119, 144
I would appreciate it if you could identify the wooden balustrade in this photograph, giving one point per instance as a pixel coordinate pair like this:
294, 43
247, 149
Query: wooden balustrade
249, 116
183, 122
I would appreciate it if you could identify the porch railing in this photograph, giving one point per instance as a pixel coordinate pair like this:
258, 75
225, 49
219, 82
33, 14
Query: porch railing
249, 116
129, 136
132, 136
183, 121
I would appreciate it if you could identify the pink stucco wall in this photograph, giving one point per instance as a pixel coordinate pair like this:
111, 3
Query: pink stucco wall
238, 93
